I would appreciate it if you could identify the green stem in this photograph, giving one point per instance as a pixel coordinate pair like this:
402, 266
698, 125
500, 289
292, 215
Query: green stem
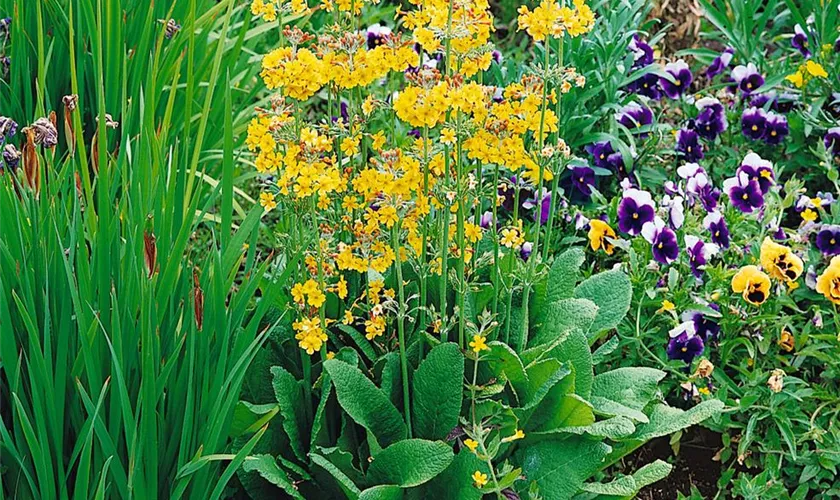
401, 313
423, 251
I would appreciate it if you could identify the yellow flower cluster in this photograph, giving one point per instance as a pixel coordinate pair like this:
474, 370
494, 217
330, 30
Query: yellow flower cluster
811, 69
309, 334
549, 19
363, 67
299, 72
308, 292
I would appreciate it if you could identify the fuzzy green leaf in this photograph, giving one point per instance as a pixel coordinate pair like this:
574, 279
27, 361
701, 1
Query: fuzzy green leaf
633, 387
366, 403
289, 395
409, 463
382, 492
561, 466
438, 391
268, 469
666, 420
611, 291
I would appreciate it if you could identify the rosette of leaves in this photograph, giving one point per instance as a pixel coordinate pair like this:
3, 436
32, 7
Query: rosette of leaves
576, 422
355, 444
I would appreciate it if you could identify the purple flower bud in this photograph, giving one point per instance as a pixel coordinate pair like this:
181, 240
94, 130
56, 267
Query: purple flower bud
525, 251
486, 220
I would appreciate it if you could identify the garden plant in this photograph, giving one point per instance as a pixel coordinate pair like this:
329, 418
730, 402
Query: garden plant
455, 249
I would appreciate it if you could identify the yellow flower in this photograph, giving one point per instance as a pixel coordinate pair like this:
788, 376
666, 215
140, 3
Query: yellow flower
809, 215
516, 435
478, 344
348, 318
511, 238
780, 262
479, 478
599, 232
752, 284
368, 105
330, 355
797, 79
447, 136
341, 288
267, 201
815, 69
828, 283
667, 305
471, 444
378, 140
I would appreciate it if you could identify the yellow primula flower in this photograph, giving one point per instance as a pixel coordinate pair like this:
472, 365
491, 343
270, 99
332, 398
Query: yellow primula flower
478, 343
479, 478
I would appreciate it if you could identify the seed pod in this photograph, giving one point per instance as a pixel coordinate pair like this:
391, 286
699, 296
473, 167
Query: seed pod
31, 163
70, 103
198, 302
150, 252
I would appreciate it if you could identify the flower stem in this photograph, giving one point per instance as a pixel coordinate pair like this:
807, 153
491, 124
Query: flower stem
401, 313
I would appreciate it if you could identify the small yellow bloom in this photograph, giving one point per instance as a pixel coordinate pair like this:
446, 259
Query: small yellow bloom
667, 306
815, 69
447, 136
478, 344
809, 215
479, 478
330, 355
797, 79
348, 318
267, 201
471, 444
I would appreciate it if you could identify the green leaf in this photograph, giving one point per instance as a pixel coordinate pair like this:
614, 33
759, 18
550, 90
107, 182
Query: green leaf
622, 486
410, 462
651, 473
502, 360
563, 316
268, 469
344, 482
613, 428
633, 387
289, 394
542, 377
561, 466
560, 282
455, 481
558, 411
382, 492
438, 391
365, 403
611, 291
248, 417
666, 420
564, 273
575, 350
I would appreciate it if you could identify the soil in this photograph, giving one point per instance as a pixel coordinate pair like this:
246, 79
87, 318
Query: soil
694, 466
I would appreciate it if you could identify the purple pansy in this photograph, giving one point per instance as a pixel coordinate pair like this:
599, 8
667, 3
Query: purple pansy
828, 240
754, 123
711, 121
600, 152
720, 63
688, 145
699, 254
800, 41
684, 344
695, 177
744, 193
646, 85
642, 52
709, 196
525, 250
544, 203
663, 241
675, 210
758, 170
832, 140
682, 79
704, 327
716, 225
582, 180
376, 35
776, 128
486, 220
635, 210
747, 78
634, 116
615, 162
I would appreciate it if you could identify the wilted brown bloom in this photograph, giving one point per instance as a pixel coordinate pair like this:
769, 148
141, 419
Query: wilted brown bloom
198, 301
776, 380
45, 133
705, 368
70, 103
109, 121
150, 252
